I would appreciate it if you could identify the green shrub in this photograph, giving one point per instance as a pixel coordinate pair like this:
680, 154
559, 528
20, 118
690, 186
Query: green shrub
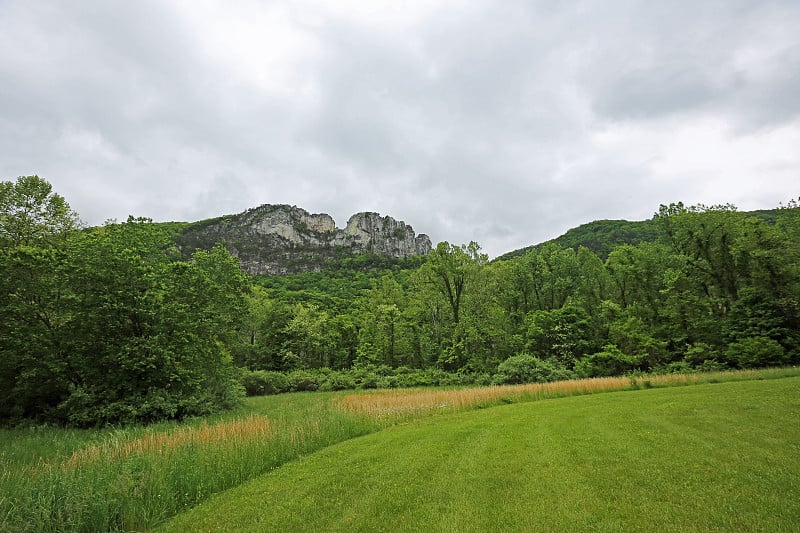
440, 377
756, 351
341, 380
712, 365
698, 353
368, 381
303, 380
675, 367
525, 368
263, 382
387, 382
611, 361
481, 379
416, 378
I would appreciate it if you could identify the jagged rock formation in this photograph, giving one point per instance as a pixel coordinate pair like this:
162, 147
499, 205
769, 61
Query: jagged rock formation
282, 239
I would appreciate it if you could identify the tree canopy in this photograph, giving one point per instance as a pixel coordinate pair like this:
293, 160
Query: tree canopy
115, 324
110, 326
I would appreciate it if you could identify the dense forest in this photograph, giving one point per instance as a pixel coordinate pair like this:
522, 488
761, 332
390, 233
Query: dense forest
113, 324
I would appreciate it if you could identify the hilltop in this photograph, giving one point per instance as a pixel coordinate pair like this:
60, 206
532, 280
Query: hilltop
283, 239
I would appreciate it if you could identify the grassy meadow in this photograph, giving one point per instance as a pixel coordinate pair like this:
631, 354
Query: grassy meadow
706, 458
668, 453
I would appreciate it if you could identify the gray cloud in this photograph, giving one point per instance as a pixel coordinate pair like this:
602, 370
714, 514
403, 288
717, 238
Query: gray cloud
506, 123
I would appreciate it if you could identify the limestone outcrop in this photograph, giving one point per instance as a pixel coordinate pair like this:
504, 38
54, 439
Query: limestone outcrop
282, 239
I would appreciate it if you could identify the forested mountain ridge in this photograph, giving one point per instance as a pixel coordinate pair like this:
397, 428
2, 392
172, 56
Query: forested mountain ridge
602, 236
283, 239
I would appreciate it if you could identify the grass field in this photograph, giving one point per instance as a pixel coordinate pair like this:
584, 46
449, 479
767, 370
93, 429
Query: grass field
135, 478
716, 457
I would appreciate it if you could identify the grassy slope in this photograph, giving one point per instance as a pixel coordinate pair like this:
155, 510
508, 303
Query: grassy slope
709, 457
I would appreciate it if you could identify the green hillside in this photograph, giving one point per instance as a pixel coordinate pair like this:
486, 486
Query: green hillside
602, 236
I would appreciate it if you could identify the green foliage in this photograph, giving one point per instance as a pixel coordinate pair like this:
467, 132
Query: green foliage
262, 331
33, 314
106, 325
561, 334
701, 354
610, 361
35, 227
603, 236
303, 381
32, 214
149, 337
308, 337
551, 277
525, 368
634, 338
600, 237
263, 382
451, 270
758, 313
702, 278
337, 380
445, 285
638, 274
116, 324
756, 352
335, 287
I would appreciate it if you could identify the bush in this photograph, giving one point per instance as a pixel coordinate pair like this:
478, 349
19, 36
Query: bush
525, 368
388, 382
676, 367
609, 362
412, 378
712, 365
698, 353
368, 381
756, 351
263, 382
337, 381
482, 379
303, 380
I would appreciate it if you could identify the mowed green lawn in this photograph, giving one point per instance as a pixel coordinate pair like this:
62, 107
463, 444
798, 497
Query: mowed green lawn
722, 456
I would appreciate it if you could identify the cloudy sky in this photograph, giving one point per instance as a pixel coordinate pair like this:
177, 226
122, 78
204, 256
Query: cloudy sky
505, 122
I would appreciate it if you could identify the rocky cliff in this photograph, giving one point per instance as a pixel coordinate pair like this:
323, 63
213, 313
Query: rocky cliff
283, 239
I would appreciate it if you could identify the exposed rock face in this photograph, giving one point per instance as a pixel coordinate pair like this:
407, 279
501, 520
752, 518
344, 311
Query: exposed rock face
372, 233
281, 239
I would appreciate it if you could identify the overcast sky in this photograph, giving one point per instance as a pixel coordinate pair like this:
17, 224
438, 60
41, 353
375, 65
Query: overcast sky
501, 121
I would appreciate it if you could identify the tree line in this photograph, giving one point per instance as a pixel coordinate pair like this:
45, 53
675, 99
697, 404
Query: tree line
110, 324
716, 289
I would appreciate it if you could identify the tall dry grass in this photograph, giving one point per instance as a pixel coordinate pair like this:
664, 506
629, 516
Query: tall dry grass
236, 432
384, 405
388, 406
132, 480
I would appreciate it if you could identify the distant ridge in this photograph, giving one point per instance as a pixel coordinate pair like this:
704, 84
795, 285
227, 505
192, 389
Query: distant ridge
602, 236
